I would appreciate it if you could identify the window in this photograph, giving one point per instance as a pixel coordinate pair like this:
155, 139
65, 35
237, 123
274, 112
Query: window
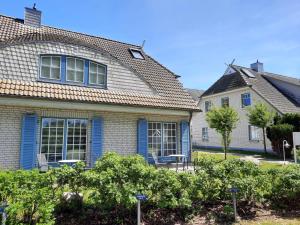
207, 106
225, 102
53, 143
70, 70
205, 134
75, 70
246, 99
97, 74
137, 54
253, 133
162, 138
50, 67
76, 145
52, 139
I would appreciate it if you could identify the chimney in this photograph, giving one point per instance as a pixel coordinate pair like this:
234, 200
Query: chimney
32, 17
257, 66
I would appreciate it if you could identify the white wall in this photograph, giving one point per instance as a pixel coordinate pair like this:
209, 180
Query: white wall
240, 135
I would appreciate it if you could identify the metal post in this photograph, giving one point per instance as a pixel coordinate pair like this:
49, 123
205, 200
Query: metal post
139, 212
234, 205
3, 218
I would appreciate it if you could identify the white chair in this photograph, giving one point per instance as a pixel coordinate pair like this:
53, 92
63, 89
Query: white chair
42, 162
157, 163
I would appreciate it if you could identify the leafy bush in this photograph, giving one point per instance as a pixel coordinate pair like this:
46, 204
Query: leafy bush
109, 190
30, 197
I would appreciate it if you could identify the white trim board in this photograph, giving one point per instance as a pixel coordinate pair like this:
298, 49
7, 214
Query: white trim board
37, 103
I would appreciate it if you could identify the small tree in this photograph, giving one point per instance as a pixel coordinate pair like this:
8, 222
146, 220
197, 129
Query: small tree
223, 120
260, 116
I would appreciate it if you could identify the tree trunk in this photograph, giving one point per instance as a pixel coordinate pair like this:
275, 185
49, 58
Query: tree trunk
264, 136
225, 146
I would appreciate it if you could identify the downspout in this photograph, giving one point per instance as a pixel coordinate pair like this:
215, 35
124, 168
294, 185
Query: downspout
190, 120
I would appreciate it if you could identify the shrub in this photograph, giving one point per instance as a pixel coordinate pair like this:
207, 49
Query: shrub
30, 197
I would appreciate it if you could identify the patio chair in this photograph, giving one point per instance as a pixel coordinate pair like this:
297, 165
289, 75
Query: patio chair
42, 162
157, 163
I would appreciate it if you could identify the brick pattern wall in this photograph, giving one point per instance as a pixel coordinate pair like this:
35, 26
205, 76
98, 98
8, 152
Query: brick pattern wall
119, 130
240, 135
21, 62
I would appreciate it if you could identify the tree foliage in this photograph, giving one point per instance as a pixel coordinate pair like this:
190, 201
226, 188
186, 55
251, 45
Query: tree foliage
282, 129
223, 120
260, 116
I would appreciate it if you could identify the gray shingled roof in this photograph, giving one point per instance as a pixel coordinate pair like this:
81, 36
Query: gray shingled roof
162, 80
270, 93
226, 83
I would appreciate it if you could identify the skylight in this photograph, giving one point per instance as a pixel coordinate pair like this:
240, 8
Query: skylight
248, 73
137, 54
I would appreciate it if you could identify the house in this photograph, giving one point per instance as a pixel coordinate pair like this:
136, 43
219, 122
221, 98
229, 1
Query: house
194, 126
241, 87
70, 95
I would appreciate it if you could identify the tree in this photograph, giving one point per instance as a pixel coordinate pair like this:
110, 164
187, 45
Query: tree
223, 120
260, 116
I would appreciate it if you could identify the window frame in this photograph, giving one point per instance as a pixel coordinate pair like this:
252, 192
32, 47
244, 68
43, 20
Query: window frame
251, 138
63, 72
222, 102
60, 68
75, 71
65, 136
243, 98
162, 138
105, 74
204, 137
132, 50
207, 109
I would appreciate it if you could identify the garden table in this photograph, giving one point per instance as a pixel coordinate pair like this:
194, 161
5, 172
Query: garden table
177, 156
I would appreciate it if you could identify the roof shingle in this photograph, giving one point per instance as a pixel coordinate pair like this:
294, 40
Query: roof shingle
170, 91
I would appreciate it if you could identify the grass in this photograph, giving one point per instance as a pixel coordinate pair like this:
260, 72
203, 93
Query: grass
218, 156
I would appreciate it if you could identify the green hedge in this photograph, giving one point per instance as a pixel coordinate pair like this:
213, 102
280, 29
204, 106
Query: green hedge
109, 189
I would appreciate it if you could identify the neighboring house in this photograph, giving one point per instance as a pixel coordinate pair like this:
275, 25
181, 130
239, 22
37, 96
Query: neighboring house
241, 87
70, 95
194, 126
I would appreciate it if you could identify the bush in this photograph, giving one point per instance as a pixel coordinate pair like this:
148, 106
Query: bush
30, 197
109, 190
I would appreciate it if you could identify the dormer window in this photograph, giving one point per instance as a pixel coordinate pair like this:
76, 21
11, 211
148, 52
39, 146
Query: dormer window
75, 70
136, 53
50, 67
72, 70
97, 74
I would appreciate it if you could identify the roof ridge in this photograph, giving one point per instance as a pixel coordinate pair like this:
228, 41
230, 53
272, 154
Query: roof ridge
77, 32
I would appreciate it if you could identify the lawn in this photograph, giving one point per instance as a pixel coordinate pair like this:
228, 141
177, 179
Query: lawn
271, 221
219, 155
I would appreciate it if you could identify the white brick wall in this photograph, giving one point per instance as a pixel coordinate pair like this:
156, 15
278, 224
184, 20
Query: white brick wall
119, 130
21, 62
240, 135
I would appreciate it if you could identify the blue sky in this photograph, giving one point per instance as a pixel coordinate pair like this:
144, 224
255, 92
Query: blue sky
193, 38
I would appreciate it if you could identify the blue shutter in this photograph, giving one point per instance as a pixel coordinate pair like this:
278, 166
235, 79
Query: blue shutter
97, 139
142, 138
63, 69
28, 142
185, 138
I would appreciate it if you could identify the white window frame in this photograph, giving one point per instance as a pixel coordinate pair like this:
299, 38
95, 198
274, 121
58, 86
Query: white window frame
75, 70
205, 134
208, 108
51, 66
98, 74
222, 99
64, 144
254, 133
164, 138
49, 137
80, 136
